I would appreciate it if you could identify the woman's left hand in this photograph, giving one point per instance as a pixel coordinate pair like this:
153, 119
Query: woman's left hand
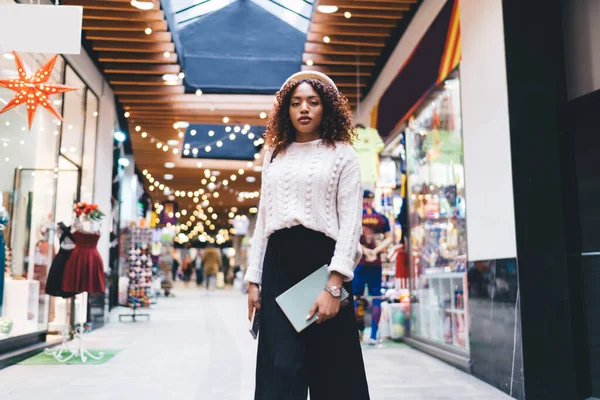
327, 307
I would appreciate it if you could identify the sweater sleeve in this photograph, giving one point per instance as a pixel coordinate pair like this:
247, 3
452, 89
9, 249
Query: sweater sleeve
259, 239
348, 252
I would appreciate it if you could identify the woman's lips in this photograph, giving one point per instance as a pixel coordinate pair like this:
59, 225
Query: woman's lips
305, 120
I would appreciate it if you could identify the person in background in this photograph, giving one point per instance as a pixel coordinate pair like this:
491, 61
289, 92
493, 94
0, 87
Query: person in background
199, 269
369, 270
187, 269
211, 258
175, 267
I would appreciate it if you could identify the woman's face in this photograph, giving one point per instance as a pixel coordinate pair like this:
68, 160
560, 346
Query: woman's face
306, 110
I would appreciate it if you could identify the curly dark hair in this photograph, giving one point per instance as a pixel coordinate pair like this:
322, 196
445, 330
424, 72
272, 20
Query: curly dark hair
337, 118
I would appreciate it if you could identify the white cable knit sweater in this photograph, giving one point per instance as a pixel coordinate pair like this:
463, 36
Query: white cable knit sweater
315, 186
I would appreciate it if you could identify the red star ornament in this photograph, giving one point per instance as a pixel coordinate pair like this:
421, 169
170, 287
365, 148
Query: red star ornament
33, 90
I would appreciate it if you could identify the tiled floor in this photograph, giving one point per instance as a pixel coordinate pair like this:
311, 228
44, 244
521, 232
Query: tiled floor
197, 347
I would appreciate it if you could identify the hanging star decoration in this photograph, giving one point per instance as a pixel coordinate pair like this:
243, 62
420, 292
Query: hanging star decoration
33, 90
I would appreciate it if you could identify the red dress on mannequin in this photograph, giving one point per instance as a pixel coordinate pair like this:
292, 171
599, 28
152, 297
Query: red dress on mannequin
84, 271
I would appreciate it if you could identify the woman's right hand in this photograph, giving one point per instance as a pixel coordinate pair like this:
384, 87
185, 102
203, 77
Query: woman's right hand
253, 299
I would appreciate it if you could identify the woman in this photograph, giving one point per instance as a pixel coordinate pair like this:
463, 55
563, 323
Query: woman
309, 216
211, 258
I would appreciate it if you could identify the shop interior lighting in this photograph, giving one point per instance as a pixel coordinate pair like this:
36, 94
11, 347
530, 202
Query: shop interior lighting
208, 149
167, 54
250, 179
169, 165
173, 142
123, 162
193, 132
309, 63
227, 129
327, 9
144, 135
142, 5
251, 136
232, 136
199, 165
263, 115
148, 31
9, 56
127, 114
348, 14
119, 136
219, 144
182, 124
199, 93
326, 39
181, 75
211, 133
225, 120
168, 177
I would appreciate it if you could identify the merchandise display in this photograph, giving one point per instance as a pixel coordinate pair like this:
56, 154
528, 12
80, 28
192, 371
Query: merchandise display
368, 146
438, 245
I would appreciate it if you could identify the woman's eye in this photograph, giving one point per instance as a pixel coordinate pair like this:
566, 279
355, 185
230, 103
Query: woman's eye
314, 103
295, 104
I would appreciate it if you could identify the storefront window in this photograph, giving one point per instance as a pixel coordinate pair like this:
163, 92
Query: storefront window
71, 144
436, 196
43, 170
89, 147
28, 184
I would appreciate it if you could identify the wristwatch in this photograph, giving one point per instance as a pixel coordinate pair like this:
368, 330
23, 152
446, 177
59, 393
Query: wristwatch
335, 291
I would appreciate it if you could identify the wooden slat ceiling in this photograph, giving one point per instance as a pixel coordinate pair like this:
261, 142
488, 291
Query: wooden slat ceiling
346, 44
135, 49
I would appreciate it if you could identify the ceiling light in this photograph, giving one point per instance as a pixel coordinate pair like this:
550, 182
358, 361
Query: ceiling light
144, 135
175, 151
167, 54
142, 5
247, 127
327, 9
119, 136
233, 177
173, 142
309, 63
241, 171
165, 148
9, 56
225, 120
348, 14
251, 136
127, 114
158, 145
237, 129
194, 151
213, 178
228, 129
193, 132
326, 39
168, 177
148, 31
250, 164
232, 136
219, 144
186, 152
137, 128
216, 173
183, 124
211, 133
256, 156
181, 75
250, 179
169, 165
199, 93
170, 78
199, 165
263, 115
208, 149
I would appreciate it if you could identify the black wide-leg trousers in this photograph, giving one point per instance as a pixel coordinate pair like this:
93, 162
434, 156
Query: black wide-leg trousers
325, 359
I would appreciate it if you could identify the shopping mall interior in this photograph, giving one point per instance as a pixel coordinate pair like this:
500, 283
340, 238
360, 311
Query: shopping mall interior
143, 148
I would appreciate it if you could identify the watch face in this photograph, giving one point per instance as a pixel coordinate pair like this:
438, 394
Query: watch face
335, 291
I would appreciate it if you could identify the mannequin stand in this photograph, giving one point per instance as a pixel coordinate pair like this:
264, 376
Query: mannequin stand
80, 351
